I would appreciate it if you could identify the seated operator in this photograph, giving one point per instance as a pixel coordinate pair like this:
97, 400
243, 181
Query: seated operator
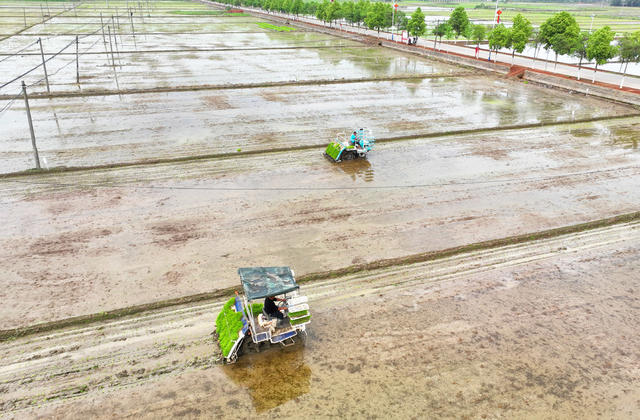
354, 139
271, 309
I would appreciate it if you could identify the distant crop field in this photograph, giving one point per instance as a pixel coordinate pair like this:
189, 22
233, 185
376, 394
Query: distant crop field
620, 19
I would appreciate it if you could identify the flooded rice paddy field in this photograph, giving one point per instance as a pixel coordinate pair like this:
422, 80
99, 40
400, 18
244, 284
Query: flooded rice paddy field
83, 131
543, 334
148, 70
112, 238
552, 331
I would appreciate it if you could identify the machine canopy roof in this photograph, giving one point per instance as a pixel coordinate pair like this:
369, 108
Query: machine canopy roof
260, 282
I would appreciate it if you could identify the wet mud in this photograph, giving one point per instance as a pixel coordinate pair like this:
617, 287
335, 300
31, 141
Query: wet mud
548, 332
519, 332
139, 234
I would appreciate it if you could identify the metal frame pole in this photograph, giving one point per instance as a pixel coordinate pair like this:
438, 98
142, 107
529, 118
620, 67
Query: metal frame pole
77, 60
102, 27
393, 19
113, 60
33, 136
44, 65
114, 32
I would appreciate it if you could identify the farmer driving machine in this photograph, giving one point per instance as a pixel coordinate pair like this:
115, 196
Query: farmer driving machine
359, 143
244, 323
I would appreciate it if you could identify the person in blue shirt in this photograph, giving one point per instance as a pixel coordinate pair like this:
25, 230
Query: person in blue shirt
354, 139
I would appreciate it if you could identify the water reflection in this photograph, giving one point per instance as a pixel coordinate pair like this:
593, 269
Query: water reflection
273, 377
357, 169
369, 59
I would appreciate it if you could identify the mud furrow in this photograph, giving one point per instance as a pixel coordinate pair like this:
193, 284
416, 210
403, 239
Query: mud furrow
193, 88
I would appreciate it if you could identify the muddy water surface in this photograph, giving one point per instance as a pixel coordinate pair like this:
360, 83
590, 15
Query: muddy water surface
553, 337
135, 235
97, 130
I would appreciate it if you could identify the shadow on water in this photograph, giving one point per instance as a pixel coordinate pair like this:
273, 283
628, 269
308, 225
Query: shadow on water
357, 169
272, 377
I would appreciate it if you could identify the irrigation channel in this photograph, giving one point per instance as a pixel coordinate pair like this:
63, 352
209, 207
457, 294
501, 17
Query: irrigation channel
145, 365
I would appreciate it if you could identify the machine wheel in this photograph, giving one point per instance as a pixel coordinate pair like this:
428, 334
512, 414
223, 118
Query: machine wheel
302, 338
248, 346
348, 155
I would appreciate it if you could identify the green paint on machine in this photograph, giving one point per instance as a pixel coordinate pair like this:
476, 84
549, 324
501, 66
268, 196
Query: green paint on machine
333, 150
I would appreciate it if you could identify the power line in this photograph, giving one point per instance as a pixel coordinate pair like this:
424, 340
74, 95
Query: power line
18, 52
46, 61
11, 101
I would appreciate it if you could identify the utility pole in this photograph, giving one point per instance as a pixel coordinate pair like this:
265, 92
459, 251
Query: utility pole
494, 15
113, 60
33, 136
77, 61
393, 18
24, 12
102, 27
591, 26
114, 34
133, 32
44, 65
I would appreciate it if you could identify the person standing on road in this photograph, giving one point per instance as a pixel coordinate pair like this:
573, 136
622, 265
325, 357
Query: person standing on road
477, 50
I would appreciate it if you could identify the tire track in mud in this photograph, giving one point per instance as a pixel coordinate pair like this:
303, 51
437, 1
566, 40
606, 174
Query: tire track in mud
109, 355
609, 223
248, 153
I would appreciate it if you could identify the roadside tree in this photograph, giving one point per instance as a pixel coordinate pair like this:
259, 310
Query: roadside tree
459, 20
479, 34
629, 51
360, 11
332, 12
560, 33
441, 29
401, 20
416, 25
520, 33
320, 10
580, 51
499, 37
348, 11
599, 48
376, 16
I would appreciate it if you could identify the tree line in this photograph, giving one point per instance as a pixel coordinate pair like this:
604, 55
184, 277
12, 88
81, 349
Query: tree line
560, 33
